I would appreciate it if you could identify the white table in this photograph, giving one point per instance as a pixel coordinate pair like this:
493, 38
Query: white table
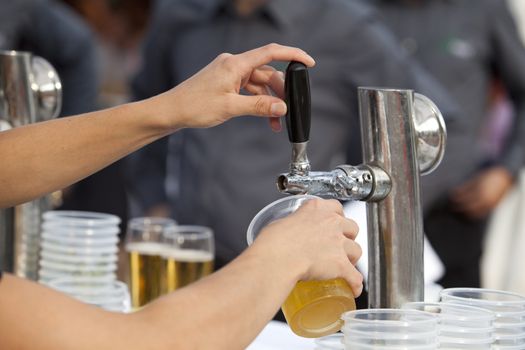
278, 336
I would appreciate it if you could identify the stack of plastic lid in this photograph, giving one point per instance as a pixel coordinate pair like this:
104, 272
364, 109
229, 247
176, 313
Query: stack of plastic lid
509, 309
391, 329
79, 244
112, 296
460, 326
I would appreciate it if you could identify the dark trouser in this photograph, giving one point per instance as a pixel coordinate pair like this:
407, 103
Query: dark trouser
458, 241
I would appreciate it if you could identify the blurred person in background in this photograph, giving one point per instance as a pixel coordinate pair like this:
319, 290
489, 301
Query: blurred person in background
118, 27
195, 176
464, 44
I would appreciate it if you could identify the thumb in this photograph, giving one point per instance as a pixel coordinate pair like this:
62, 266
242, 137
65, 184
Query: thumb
259, 105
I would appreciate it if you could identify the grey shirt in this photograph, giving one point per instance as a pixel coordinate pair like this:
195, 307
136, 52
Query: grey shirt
464, 44
226, 174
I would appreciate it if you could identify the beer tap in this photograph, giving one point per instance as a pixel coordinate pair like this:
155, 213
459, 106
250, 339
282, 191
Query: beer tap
403, 136
345, 182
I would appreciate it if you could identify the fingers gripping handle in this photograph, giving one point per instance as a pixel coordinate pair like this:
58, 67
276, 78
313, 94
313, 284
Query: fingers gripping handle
297, 89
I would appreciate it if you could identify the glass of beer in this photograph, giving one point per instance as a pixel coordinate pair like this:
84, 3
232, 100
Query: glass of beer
189, 257
145, 246
313, 309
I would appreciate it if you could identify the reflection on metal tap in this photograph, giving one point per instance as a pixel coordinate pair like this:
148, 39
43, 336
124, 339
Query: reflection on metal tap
403, 135
346, 182
30, 91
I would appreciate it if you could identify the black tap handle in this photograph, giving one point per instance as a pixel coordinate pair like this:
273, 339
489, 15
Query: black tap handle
297, 89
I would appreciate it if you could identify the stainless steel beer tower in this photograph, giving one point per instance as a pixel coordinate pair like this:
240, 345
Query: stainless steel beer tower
30, 91
403, 135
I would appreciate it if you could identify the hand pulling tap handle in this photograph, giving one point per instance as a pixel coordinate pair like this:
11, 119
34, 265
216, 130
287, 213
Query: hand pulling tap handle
297, 90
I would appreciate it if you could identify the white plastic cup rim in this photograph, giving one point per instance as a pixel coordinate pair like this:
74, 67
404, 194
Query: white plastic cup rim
60, 230
90, 289
98, 300
153, 225
390, 347
423, 318
94, 268
294, 203
81, 218
189, 232
517, 336
466, 330
511, 311
44, 278
49, 274
466, 341
66, 241
507, 298
78, 259
468, 313
79, 250
351, 334
507, 347
508, 325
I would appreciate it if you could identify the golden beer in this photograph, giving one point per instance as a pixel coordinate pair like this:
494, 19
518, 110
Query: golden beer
314, 308
145, 272
184, 266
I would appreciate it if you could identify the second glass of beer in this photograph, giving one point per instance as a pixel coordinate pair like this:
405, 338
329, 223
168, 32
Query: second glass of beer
189, 257
313, 308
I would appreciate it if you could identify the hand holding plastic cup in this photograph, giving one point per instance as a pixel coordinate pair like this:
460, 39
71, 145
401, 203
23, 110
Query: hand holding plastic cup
313, 308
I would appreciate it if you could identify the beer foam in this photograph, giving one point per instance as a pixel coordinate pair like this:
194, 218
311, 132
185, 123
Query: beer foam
187, 255
146, 248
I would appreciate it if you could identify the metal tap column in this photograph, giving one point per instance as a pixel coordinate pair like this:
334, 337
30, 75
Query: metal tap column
395, 224
17, 107
30, 91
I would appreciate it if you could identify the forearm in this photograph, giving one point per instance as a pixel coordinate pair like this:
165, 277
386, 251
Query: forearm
48, 156
224, 311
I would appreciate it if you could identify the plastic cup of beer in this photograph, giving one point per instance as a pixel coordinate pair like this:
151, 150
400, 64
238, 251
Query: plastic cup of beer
189, 255
313, 309
145, 246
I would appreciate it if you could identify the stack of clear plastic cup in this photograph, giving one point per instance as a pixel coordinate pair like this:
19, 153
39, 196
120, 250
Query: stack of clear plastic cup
111, 296
79, 244
391, 329
460, 326
509, 309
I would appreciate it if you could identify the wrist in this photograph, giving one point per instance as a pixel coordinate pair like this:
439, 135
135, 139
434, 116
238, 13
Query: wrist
284, 262
160, 115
